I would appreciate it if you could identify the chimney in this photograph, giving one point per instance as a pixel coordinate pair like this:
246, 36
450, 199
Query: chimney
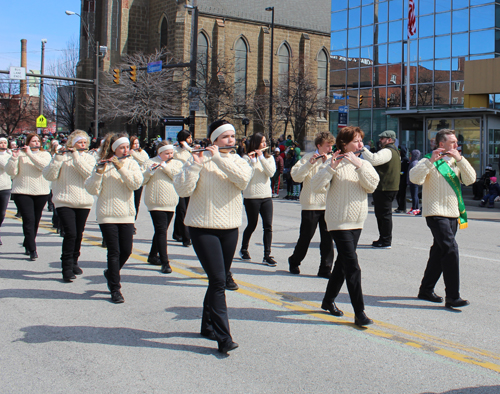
24, 63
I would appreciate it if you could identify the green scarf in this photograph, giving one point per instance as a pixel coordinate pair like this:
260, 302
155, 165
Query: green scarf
445, 170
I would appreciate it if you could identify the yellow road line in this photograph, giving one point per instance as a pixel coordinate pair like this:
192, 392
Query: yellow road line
414, 339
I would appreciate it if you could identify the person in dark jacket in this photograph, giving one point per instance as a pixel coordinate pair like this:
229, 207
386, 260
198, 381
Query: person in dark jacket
483, 182
401, 196
414, 159
494, 192
275, 181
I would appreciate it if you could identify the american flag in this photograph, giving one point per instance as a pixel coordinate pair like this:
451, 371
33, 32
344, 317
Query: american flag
412, 29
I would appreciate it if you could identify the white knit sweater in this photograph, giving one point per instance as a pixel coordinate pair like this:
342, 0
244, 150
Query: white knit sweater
347, 189
182, 154
159, 191
68, 173
5, 179
438, 198
140, 157
26, 173
115, 191
302, 172
262, 171
215, 189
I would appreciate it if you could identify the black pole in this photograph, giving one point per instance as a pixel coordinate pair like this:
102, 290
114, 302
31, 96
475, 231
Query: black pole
96, 92
194, 60
271, 77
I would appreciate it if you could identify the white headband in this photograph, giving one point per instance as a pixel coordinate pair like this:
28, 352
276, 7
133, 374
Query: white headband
79, 138
165, 147
118, 142
221, 129
3, 139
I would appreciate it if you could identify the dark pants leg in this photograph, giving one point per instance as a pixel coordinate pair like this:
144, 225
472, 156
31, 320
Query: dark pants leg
119, 238
414, 196
137, 200
4, 202
254, 207
181, 231
31, 208
401, 197
161, 221
443, 256
73, 222
346, 268
383, 213
215, 250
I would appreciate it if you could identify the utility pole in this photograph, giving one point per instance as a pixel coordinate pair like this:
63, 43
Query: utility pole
42, 68
194, 60
271, 77
96, 91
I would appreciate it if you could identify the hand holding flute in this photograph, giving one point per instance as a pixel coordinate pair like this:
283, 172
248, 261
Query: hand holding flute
104, 162
318, 156
257, 152
351, 156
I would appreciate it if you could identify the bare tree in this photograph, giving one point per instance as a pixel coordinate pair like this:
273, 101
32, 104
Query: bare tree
259, 106
16, 111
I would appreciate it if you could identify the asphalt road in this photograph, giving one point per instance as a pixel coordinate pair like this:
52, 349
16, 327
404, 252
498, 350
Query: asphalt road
69, 338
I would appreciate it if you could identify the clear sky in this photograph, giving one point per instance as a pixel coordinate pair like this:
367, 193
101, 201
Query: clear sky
35, 20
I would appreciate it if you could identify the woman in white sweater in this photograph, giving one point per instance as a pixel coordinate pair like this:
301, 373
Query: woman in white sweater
68, 171
5, 180
214, 180
113, 181
140, 156
347, 180
258, 197
29, 188
161, 199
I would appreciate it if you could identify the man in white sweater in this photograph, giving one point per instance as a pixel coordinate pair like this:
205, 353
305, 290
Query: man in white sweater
313, 207
441, 175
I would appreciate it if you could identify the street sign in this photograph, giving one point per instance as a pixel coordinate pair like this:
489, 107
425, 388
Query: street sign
41, 121
17, 73
343, 115
155, 67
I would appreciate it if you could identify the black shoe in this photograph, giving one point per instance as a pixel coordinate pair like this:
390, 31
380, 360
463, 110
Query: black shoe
244, 254
154, 260
117, 297
228, 347
400, 211
166, 269
187, 244
380, 245
324, 274
429, 296
178, 239
209, 335
455, 302
77, 270
33, 255
69, 278
360, 319
332, 308
105, 272
230, 283
26, 251
269, 261
294, 269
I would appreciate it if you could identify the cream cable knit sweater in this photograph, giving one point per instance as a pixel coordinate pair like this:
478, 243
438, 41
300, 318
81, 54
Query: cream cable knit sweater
346, 200
68, 173
26, 173
302, 172
438, 198
260, 184
215, 188
140, 157
182, 154
159, 190
115, 191
5, 179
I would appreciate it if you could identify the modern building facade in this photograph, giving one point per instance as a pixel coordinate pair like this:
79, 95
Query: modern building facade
369, 71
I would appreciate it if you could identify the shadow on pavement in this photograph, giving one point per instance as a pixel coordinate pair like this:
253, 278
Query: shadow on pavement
470, 390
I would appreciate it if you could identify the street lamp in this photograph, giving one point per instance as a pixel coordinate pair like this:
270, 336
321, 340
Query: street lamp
271, 76
42, 67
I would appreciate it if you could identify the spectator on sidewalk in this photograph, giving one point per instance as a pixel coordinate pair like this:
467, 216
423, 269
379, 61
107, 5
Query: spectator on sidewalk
494, 192
280, 164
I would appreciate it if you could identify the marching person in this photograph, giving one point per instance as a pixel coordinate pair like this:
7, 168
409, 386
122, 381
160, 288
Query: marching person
387, 163
161, 199
182, 153
257, 197
140, 156
29, 188
313, 207
215, 180
68, 171
113, 181
347, 180
5, 180
441, 174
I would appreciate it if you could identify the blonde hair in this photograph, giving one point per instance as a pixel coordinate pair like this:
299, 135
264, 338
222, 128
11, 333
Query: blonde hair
74, 135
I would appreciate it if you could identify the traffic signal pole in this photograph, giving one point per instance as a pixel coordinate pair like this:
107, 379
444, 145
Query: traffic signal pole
194, 60
96, 91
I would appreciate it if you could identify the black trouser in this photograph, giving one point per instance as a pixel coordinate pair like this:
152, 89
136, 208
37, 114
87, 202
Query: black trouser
215, 250
72, 221
118, 238
161, 221
401, 197
443, 256
254, 207
4, 202
137, 200
181, 231
31, 208
414, 196
346, 268
309, 221
383, 212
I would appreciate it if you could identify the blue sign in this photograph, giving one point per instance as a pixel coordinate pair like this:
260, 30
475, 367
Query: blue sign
344, 109
343, 115
337, 96
155, 67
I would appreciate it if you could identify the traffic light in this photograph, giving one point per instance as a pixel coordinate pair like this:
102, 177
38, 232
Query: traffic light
360, 100
116, 76
133, 73
388, 101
